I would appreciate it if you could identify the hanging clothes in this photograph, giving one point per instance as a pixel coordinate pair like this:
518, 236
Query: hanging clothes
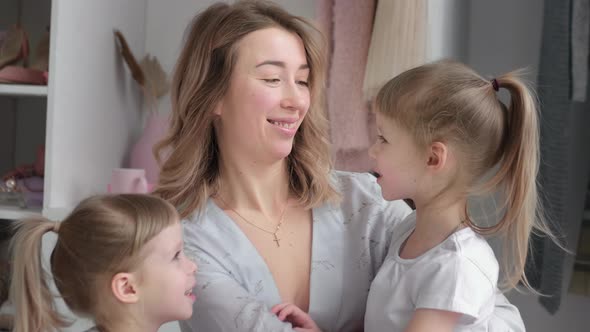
565, 161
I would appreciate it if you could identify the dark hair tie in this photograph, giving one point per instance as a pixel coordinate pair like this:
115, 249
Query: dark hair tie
495, 84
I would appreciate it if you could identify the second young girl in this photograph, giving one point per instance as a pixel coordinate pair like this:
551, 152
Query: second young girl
118, 260
444, 136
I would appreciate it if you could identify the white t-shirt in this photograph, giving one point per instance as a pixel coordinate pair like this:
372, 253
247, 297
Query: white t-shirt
459, 275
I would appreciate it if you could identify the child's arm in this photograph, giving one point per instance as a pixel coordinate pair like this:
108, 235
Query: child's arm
300, 320
427, 320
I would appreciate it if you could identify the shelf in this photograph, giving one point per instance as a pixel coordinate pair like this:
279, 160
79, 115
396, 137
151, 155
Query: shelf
21, 90
15, 212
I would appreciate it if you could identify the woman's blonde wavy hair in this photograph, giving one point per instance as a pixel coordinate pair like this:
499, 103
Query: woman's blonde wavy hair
190, 172
446, 101
103, 236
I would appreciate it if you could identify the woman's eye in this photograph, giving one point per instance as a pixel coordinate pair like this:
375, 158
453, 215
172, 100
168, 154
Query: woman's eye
303, 83
381, 139
272, 80
177, 255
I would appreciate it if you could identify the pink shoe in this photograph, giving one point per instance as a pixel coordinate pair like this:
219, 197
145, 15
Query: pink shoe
21, 75
15, 46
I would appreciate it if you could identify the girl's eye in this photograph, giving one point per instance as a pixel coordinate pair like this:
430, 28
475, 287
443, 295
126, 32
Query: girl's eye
381, 139
272, 80
303, 83
177, 255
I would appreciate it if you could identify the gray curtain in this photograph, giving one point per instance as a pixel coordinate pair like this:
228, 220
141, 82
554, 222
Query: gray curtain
565, 136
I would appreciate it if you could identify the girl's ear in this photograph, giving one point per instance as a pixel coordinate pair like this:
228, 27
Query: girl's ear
437, 156
125, 287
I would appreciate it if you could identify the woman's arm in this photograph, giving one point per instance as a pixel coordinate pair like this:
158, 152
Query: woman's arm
428, 320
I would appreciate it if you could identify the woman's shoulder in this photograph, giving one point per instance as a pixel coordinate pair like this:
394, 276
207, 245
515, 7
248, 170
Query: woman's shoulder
356, 186
364, 182
92, 329
361, 191
214, 241
207, 226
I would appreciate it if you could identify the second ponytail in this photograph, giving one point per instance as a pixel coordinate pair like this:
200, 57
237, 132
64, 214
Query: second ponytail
29, 287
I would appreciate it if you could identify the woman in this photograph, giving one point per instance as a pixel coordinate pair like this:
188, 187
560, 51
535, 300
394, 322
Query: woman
267, 219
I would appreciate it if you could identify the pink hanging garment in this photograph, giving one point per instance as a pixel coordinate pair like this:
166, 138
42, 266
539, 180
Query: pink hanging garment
350, 29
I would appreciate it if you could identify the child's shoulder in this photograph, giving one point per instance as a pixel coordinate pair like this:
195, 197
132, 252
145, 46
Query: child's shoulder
470, 252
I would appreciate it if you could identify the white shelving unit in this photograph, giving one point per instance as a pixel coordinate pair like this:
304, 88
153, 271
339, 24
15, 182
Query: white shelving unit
19, 90
92, 105
15, 212
89, 111
22, 107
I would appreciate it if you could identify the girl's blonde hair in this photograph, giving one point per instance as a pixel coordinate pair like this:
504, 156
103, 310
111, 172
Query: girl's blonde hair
101, 237
446, 101
201, 78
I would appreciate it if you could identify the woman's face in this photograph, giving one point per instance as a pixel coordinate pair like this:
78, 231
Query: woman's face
268, 96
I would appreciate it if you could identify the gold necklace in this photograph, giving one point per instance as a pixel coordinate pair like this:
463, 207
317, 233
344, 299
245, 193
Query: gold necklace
277, 228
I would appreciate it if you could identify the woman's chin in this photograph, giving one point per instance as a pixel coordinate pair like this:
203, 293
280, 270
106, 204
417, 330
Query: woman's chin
283, 151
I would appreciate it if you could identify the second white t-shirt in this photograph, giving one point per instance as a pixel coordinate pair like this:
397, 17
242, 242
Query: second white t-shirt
459, 275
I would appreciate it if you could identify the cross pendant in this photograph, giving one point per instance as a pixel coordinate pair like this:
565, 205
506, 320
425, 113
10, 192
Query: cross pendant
276, 239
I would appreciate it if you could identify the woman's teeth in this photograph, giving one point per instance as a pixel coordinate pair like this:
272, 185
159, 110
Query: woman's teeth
283, 124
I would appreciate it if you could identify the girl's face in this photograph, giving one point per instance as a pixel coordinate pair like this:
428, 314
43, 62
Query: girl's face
268, 96
167, 278
399, 163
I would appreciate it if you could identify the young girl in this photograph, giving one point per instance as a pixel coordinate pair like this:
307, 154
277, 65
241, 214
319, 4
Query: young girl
444, 135
118, 260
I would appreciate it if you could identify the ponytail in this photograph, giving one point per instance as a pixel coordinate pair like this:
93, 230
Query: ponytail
29, 290
517, 177
449, 101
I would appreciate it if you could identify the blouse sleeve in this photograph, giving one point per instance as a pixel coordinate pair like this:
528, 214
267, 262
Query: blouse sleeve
379, 220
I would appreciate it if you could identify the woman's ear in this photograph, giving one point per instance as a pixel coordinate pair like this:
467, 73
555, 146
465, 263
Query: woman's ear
437, 156
218, 107
125, 287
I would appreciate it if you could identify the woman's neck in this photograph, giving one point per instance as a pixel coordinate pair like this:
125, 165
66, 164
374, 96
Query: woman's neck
254, 186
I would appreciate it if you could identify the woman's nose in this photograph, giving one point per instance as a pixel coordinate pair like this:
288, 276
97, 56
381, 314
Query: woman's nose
296, 97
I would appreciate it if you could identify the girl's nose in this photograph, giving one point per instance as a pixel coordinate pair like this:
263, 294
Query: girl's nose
191, 266
372, 152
